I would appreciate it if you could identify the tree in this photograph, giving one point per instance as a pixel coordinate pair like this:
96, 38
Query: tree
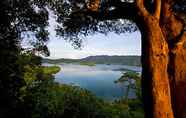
161, 22
18, 17
162, 25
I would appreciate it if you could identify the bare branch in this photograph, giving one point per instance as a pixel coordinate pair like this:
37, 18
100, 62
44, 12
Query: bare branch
157, 9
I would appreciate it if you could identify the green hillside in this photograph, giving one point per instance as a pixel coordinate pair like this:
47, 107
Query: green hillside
103, 59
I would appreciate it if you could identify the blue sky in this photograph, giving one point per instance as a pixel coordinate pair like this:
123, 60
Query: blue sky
98, 44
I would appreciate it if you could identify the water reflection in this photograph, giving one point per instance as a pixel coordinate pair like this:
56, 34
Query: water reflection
98, 79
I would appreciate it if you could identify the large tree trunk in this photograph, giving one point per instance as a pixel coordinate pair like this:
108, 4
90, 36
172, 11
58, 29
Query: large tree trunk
155, 55
173, 28
155, 82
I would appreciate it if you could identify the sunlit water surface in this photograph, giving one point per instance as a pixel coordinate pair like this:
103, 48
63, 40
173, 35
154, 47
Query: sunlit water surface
98, 79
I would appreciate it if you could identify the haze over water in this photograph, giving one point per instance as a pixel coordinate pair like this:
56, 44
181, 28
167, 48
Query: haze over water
98, 79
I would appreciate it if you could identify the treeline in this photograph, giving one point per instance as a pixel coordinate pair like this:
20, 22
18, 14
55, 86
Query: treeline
103, 59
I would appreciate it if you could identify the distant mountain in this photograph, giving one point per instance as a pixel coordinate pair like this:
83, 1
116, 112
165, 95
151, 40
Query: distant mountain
102, 59
62, 60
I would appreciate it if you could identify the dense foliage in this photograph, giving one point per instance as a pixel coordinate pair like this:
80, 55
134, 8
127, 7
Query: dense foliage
18, 17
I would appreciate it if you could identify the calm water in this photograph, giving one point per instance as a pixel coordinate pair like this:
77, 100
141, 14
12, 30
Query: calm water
98, 79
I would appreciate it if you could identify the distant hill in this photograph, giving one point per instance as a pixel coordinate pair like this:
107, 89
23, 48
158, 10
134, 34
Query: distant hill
102, 59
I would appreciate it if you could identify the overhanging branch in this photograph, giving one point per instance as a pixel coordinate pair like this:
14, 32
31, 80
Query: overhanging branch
124, 10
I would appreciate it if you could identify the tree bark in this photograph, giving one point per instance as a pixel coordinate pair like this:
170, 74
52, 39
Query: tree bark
155, 81
178, 62
173, 28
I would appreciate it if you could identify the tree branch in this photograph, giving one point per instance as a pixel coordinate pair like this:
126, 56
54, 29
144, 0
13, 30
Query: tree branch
84, 18
157, 9
124, 10
93, 5
140, 6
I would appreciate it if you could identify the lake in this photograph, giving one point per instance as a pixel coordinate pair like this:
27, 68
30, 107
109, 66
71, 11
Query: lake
98, 79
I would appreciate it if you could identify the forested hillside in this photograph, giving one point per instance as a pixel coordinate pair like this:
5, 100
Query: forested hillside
102, 59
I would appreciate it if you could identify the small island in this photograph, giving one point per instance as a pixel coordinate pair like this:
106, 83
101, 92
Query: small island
51, 69
86, 63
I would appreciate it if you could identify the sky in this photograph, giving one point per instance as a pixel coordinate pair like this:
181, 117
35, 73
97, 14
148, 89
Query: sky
97, 44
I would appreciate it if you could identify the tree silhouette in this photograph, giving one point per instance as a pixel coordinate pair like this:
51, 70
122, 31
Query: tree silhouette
18, 18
